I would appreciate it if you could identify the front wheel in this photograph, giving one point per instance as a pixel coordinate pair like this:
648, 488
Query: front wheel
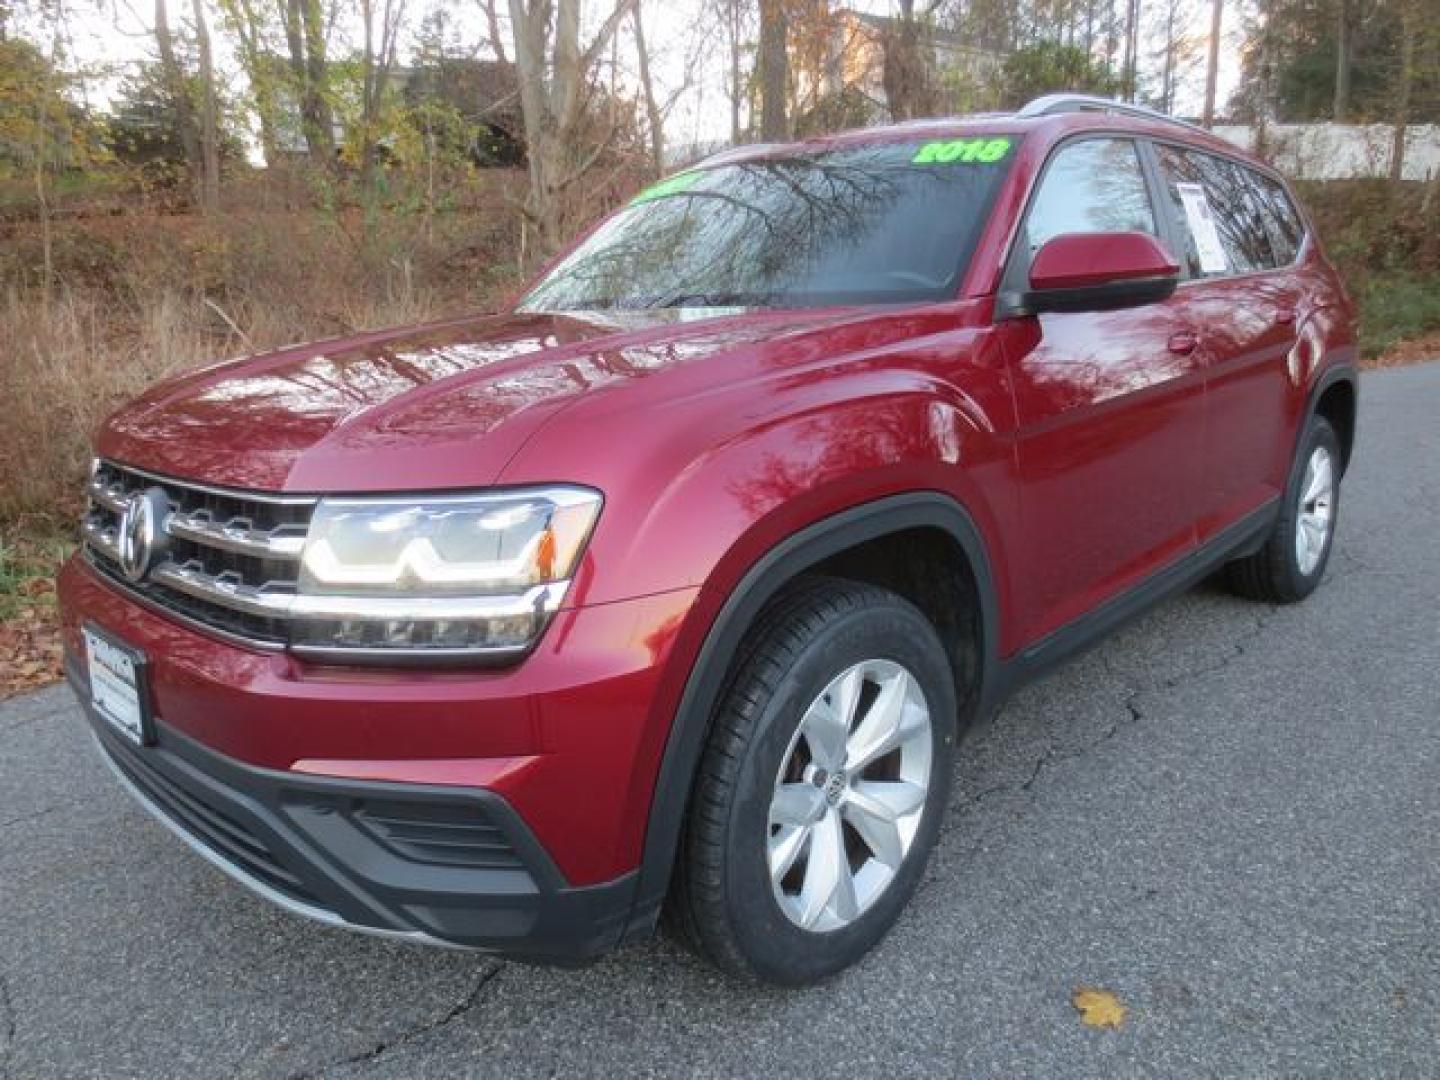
1293, 560
822, 786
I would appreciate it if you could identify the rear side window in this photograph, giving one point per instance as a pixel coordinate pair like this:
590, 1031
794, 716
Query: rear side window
1095, 185
1224, 219
1286, 229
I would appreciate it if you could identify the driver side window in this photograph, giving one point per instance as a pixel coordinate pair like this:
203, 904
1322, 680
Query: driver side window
1095, 185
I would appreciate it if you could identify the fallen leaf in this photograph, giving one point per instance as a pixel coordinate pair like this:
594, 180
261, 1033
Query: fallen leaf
1098, 1008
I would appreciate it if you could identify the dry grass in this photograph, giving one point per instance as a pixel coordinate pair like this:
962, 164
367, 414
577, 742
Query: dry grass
64, 370
138, 297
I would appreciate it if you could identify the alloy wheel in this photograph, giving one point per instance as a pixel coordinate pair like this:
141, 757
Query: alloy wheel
1315, 516
849, 795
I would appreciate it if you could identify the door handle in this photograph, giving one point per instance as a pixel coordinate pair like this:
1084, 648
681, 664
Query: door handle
1183, 342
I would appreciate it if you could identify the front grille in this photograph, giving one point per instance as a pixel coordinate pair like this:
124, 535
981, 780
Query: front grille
215, 829
230, 559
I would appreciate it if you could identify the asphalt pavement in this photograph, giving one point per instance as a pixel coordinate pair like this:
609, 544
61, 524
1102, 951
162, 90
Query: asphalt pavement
1228, 816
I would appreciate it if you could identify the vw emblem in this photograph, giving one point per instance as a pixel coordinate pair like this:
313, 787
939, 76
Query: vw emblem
141, 533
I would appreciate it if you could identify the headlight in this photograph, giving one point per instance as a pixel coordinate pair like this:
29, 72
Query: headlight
467, 573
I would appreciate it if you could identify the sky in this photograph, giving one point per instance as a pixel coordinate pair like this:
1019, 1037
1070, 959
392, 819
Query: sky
115, 34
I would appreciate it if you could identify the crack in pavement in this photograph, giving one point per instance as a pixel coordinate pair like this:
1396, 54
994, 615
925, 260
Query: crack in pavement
1133, 690
383, 1047
30, 816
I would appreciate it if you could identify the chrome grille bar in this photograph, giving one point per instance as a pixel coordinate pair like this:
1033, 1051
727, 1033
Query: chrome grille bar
220, 549
237, 535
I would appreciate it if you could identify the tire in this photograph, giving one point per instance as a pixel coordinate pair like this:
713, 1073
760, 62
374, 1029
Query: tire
726, 901
1288, 568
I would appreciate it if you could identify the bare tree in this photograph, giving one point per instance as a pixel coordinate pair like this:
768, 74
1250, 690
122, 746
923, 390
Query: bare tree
1212, 65
555, 75
495, 39
1404, 84
736, 16
909, 75
774, 70
177, 89
209, 114
305, 35
1170, 54
377, 61
248, 24
653, 117
1344, 55
1132, 49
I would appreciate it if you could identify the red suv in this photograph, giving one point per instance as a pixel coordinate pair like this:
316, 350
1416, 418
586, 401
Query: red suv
675, 584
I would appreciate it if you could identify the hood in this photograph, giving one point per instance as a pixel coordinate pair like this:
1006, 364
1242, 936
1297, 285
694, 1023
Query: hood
440, 406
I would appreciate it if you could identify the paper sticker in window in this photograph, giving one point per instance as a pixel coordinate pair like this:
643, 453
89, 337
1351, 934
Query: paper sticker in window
1201, 219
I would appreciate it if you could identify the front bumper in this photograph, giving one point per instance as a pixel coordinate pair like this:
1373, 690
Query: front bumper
432, 863
337, 792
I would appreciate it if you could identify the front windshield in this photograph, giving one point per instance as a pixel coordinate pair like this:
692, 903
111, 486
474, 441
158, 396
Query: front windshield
880, 223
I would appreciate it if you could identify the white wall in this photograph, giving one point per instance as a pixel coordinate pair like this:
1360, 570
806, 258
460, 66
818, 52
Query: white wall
1341, 151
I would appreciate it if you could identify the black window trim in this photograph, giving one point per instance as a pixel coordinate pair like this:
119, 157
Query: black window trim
1176, 223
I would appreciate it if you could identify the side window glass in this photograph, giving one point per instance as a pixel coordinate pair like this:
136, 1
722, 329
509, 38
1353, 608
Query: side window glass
1222, 218
1091, 186
1192, 211
1251, 218
1283, 220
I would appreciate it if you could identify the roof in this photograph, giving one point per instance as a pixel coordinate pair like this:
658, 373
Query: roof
1056, 114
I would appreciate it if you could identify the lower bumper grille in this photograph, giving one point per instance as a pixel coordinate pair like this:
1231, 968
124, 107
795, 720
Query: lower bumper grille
212, 827
443, 836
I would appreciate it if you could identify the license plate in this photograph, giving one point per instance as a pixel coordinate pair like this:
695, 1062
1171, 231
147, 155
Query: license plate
117, 685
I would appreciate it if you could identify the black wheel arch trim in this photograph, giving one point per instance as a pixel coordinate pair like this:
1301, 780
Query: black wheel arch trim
781, 564
1330, 376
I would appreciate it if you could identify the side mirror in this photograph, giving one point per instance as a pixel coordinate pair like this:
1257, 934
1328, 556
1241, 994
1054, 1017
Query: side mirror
1098, 272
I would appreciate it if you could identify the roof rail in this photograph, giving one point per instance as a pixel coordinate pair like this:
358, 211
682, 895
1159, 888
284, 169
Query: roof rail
1051, 104
739, 150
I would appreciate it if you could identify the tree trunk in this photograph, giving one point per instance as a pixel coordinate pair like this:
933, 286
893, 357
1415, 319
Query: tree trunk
1212, 66
492, 28
1132, 44
1167, 75
314, 105
1409, 31
367, 94
1344, 49
250, 32
209, 118
733, 15
42, 180
554, 76
647, 87
179, 95
774, 71
909, 86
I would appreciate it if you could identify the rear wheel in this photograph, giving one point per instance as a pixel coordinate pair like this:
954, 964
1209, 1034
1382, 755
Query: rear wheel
1293, 560
822, 786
